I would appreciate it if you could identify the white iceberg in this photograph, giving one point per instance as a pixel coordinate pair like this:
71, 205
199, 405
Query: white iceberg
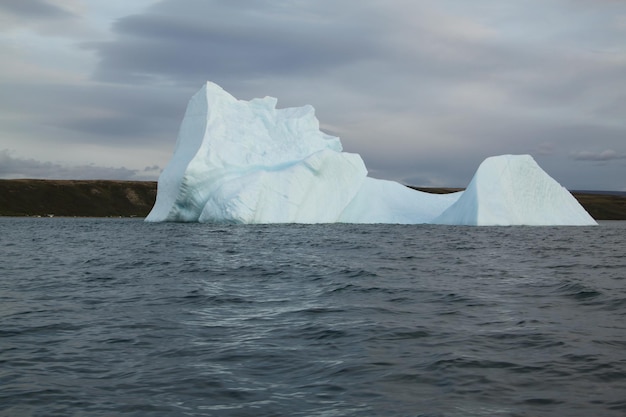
241, 161
514, 190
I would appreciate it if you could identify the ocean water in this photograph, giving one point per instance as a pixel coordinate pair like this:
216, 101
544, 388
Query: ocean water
117, 317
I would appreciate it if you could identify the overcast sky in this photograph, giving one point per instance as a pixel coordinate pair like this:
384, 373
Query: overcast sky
423, 90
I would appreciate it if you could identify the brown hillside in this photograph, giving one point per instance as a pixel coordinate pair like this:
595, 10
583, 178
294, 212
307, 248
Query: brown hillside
93, 198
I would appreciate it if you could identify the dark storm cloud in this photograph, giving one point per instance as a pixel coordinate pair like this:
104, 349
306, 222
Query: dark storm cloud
14, 167
39, 9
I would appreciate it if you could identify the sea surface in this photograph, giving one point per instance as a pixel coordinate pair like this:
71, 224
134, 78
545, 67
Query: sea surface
117, 317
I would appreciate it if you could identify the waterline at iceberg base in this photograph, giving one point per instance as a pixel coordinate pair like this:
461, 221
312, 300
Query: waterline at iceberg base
239, 161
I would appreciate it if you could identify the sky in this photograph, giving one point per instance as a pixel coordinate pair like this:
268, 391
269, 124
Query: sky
423, 90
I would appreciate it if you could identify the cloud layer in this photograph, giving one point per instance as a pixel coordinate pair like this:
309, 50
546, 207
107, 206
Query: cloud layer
422, 90
12, 167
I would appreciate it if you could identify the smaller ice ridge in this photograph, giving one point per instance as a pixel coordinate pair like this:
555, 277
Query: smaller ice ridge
239, 161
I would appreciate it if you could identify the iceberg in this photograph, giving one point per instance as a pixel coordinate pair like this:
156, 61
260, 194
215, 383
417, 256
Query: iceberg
514, 190
238, 161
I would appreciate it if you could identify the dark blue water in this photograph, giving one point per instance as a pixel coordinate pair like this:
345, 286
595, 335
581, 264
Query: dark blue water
114, 317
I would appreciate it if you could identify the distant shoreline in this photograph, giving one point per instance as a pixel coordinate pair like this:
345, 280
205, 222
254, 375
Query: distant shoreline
111, 198
76, 198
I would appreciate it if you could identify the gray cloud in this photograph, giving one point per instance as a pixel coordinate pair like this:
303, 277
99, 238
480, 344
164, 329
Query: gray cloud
120, 115
405, 83
220, 40
35, 9
12, 167
422, 90
606, 155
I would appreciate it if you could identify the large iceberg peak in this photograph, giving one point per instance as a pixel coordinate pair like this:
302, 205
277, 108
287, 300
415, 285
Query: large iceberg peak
249, 162
241, 133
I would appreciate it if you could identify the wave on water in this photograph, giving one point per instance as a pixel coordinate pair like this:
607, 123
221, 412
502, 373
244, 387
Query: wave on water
104, 317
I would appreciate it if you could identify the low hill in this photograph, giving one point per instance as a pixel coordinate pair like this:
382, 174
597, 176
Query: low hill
88, 198
103, 198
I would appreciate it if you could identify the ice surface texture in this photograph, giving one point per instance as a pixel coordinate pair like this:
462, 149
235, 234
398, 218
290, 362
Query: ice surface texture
241, 161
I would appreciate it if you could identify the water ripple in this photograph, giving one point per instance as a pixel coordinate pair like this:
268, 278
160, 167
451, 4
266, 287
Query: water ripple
104, 317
